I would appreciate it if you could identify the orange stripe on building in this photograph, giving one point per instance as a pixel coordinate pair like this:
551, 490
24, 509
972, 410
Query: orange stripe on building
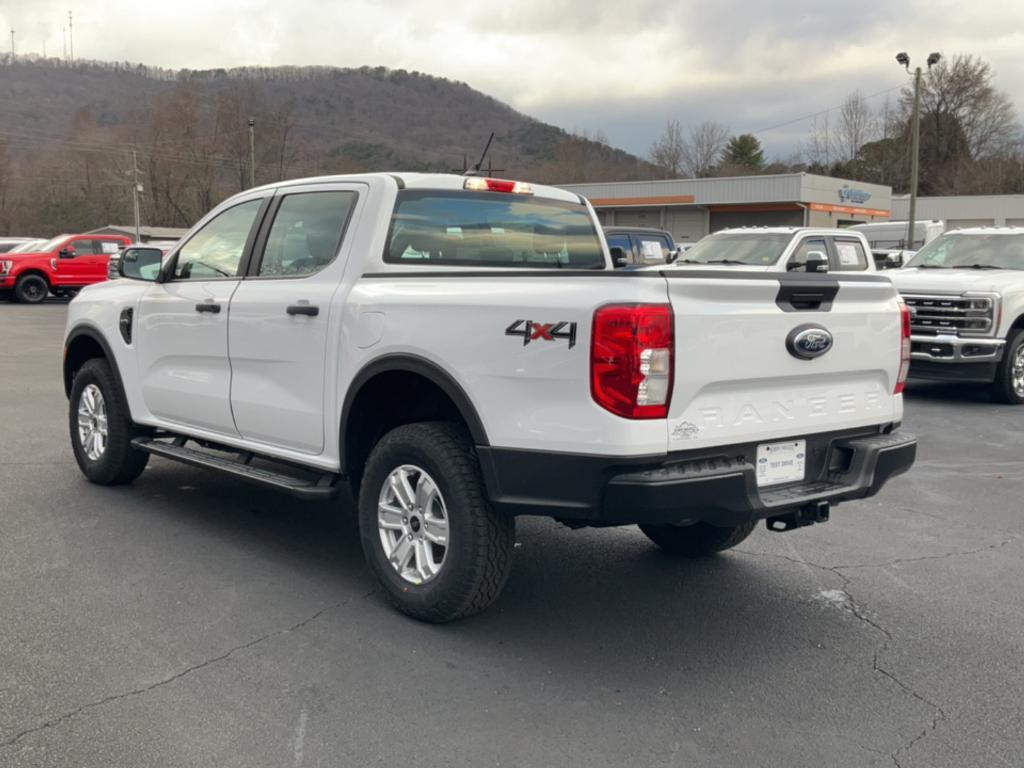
599, 202
754, 208
848, 209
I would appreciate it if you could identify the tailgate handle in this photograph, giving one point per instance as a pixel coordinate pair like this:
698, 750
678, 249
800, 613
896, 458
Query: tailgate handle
801, 297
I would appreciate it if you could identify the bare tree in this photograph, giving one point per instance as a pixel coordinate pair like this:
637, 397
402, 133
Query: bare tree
957, 94
703, 148
669, 151
856, 125
817, 151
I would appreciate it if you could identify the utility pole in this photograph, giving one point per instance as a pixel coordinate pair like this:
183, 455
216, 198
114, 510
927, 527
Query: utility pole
44, 49
252, 151
136, 190
64, 41
915, 142
12, 45
71, 37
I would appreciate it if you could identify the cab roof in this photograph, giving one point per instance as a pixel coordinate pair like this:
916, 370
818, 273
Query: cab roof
440, 181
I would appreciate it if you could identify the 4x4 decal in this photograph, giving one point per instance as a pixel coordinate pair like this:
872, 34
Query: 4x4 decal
531, 331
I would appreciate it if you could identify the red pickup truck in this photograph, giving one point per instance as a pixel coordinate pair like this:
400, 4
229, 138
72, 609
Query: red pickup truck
61, 266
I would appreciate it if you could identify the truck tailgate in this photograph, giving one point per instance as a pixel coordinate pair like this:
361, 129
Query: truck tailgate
736, 378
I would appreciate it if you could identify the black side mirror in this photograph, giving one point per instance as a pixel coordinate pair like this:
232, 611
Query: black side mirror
140, 263
67, 253
619, 258
817, 261
673, 255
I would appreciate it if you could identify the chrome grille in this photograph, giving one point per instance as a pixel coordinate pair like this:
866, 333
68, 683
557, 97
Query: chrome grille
931, 315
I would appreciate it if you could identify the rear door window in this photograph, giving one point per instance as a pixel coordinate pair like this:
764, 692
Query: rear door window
654, 249
481, 229
849, 256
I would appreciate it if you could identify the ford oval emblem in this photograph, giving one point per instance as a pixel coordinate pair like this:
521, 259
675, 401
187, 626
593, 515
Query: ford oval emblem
807, 342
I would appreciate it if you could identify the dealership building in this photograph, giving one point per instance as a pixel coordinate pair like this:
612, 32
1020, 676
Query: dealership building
692, 208
959, 211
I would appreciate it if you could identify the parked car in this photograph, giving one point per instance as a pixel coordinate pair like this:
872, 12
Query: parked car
965, 291
640, 246
114, 264
888, 240
60, 266
457, 351
781, 249
10, 243
29, 246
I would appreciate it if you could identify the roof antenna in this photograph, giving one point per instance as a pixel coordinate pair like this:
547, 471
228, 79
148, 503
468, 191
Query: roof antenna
480, 163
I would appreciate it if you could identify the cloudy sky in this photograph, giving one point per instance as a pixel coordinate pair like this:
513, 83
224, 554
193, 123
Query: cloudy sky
621, 67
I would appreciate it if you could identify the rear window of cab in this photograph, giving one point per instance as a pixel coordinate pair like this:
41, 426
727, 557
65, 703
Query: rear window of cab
491, 229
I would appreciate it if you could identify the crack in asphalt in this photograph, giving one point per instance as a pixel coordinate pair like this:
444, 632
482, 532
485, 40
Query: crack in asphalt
63, 718
850, 605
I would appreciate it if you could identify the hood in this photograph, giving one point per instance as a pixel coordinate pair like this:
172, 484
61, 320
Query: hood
914, 280
719, 267
23, 256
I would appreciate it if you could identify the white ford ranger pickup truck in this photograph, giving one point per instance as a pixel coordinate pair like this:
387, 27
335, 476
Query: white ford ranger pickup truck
965, 291
457, 351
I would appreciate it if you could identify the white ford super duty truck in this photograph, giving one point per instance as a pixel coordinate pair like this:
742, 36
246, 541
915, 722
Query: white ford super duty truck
458, 351
965, 290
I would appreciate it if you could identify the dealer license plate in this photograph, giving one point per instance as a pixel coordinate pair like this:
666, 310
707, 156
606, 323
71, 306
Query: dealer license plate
781, 462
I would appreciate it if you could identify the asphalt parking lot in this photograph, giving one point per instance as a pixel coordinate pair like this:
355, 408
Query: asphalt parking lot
189, 620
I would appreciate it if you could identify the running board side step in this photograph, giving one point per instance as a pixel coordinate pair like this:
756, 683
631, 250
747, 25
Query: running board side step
323, 487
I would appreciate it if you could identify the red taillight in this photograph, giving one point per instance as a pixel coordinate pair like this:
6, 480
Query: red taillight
478, 184
631, 360
901, 378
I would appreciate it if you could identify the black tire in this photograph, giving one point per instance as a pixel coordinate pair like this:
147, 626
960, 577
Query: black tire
118, 463
31, 289
698, 540
1004, 388
478, 558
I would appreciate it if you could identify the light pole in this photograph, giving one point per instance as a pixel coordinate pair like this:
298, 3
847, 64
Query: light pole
915, 138
252, 152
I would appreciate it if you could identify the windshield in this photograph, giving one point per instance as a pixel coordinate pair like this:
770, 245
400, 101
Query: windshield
972, 251
491, 230
30, 247
756, 248
49, 245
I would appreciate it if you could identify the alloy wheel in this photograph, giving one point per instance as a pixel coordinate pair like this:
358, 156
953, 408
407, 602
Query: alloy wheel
412, 521
92, 422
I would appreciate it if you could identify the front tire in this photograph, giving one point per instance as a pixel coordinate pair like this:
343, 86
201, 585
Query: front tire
698, 540
1009, 384
428, 532
101, 427
31, 289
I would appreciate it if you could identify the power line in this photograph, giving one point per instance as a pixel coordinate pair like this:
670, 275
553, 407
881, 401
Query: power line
822, 112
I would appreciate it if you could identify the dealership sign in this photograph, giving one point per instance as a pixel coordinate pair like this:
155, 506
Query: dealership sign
850, 195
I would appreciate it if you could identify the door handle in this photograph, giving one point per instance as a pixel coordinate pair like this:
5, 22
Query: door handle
209, 306
309, 310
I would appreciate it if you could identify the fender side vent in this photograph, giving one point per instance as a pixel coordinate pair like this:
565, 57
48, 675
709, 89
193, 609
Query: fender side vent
124, 324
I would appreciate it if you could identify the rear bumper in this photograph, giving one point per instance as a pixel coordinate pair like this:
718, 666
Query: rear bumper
716, 486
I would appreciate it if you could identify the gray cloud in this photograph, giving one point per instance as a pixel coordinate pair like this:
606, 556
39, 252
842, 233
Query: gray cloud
622, 68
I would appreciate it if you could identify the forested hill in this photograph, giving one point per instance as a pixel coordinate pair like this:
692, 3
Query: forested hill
70, 128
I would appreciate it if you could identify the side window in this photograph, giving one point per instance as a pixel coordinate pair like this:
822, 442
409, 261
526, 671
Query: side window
83, 246
653, 249
621, 241
798, 260
107, 247
306, 233
216, 250
850, 256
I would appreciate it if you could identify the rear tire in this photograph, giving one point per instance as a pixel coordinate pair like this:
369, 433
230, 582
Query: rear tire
422, 483
101, 427
31, 289
1009, 384
698, 540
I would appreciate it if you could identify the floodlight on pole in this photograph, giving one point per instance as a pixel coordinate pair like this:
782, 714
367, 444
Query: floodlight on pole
903, 59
